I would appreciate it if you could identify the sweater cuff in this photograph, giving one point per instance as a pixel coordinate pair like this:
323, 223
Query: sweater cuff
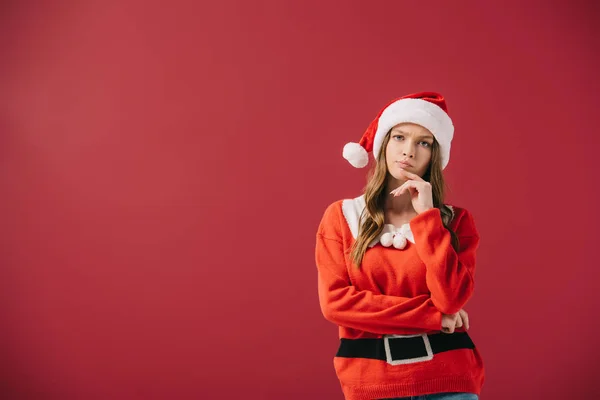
429, 221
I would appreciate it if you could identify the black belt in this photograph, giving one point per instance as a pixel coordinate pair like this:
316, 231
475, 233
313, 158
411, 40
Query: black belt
404, 349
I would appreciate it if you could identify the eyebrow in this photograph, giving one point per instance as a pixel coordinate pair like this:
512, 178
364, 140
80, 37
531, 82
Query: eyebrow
410, 134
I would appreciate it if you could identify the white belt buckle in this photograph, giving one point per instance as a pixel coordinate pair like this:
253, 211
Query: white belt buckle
388, 353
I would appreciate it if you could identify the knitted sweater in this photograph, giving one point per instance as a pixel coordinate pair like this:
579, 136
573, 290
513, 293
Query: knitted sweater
398, 291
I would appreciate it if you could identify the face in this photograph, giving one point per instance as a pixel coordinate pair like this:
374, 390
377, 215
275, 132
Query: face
409, 148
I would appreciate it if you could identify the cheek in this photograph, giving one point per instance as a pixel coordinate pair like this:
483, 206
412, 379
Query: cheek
391, 151
391, 148
425, 159
427, 155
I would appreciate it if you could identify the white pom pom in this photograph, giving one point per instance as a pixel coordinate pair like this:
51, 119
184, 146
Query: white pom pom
387, 239
356, 155
399, 241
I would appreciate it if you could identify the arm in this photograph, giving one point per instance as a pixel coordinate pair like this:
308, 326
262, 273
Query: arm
344, 305
449, 273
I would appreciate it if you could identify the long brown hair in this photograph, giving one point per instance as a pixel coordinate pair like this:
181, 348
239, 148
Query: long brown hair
373, 217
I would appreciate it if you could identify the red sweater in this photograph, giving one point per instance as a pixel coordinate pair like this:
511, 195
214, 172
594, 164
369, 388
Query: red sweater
398, 292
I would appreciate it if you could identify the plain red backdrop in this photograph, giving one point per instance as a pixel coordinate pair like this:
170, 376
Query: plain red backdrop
164, 166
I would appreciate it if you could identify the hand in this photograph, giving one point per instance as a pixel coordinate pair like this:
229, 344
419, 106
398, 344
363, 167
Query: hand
419, 189
452, 321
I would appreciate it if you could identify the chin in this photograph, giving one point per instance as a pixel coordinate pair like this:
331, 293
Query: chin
397, 176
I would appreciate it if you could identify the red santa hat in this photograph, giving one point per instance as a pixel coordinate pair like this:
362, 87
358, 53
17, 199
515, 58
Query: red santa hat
427, 109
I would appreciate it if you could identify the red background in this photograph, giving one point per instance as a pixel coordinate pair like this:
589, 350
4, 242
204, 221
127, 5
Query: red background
164, 166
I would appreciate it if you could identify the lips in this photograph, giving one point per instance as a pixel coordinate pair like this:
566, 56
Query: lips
403, 164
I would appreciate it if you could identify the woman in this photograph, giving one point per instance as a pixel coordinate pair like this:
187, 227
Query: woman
396, 264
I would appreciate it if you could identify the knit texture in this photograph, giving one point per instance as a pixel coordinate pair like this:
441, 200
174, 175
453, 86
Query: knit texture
399, 292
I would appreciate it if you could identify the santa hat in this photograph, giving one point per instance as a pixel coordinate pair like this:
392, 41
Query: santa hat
427, 109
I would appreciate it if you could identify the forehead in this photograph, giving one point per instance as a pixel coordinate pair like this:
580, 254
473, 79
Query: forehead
410, 129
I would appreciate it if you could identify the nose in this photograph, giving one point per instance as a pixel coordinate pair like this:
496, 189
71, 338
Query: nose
408, 151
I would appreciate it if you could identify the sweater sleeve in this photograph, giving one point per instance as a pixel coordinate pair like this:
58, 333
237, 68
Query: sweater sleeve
449, 273
345, 305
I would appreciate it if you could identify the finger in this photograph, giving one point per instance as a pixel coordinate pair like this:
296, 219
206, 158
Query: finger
448, 329
397, 189
412, 176
403, 188
400, 189
459, 321
406, 186
465, 318
447, 322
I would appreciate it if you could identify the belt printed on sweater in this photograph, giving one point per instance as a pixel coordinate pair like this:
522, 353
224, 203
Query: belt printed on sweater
404, 349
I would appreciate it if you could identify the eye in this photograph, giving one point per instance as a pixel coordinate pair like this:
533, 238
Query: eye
398, 137
425, 144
